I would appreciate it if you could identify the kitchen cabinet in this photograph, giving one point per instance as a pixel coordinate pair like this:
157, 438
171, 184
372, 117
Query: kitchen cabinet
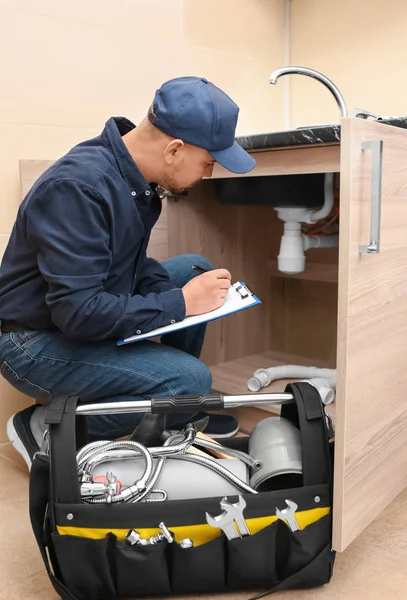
348, 309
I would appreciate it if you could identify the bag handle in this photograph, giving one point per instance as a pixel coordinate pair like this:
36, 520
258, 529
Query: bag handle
38, 494
63, 429
308, 414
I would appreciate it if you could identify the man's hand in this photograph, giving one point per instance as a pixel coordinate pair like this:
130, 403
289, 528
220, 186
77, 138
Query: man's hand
206, 292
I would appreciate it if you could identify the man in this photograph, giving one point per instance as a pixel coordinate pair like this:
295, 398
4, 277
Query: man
75, 277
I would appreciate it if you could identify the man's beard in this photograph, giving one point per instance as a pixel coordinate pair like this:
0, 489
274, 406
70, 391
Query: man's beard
176, 191
171, 186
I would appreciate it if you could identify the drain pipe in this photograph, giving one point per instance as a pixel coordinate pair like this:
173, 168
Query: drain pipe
320, 241
324, 380
294, 243
317, 215
325, 388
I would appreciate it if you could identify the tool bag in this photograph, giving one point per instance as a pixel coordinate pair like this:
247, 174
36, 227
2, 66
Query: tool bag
83, 545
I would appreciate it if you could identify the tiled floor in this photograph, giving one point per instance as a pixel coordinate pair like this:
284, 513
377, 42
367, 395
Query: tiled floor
372, 568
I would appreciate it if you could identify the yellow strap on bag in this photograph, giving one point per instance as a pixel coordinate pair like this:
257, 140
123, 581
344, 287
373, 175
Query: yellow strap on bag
200, 534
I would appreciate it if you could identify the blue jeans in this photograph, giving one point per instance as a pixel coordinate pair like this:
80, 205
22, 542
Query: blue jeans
45, 365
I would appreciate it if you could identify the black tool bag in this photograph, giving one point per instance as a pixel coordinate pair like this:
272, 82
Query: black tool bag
84, 549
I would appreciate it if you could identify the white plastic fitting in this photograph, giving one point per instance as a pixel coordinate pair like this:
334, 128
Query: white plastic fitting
294, 243
317, 215
320, 241
263, 377
325, 388
291, 258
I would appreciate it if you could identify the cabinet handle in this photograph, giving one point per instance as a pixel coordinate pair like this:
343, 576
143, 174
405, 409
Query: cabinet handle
376, 146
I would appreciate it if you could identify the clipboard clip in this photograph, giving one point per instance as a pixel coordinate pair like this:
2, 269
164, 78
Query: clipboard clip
244, 291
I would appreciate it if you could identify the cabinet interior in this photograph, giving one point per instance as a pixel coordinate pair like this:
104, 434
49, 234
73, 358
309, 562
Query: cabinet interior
297, 320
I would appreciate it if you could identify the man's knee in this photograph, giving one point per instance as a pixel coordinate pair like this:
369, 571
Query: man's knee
197, 379
187, 260
197, 259
180, 270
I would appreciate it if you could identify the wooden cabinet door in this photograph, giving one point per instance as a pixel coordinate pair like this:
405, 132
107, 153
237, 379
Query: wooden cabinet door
371, 403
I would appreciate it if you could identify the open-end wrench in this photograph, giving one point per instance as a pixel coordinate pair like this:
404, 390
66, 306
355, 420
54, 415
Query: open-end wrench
236, 510
225, 521
288, 514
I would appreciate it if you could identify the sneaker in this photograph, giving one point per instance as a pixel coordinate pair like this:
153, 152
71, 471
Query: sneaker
220, 426
20, 435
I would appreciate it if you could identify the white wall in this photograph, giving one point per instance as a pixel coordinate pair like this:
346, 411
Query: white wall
66, 66
361, 45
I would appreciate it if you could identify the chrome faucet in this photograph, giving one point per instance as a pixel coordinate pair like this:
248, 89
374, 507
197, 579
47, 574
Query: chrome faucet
315, 75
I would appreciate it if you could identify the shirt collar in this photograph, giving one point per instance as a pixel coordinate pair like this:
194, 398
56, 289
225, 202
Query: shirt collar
112, 137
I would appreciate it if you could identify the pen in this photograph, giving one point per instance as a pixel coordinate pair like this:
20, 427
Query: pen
198, 268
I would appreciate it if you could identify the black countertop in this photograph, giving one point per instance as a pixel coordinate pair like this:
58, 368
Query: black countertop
320, 134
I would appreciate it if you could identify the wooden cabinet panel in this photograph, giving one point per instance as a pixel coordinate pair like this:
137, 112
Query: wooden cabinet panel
371, 401
238, 238
320, 158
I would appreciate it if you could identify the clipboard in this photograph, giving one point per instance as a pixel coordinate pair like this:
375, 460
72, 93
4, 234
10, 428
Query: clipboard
239, 298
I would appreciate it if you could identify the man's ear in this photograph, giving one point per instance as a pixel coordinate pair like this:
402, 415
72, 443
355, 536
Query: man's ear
172, 152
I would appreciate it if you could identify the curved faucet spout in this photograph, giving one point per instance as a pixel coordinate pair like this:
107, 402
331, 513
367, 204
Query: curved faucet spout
315, 75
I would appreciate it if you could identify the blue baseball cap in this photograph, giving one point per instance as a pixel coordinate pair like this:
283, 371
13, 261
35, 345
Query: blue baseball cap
199, 113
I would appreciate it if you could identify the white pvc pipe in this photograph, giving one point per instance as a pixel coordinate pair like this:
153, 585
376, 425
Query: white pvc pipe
263, 377
294, 243
325, 388
317, 215
320, 241
291, 257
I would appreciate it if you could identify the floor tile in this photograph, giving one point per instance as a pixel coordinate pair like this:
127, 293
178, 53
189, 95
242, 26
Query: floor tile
20, 556
17, 480
37, 587
7, 451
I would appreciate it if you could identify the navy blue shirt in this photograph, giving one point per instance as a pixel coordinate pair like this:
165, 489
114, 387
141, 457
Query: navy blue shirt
76, 258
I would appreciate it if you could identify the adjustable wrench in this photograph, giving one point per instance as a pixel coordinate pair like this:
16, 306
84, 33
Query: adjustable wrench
288, 514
